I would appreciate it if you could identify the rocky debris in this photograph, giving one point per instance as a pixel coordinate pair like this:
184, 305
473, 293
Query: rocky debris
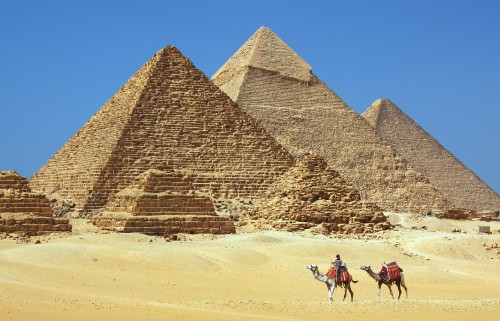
456, 213
493, 247
313, 196
63, 207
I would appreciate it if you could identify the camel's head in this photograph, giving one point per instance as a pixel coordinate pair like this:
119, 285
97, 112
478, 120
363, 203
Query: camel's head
365, 267
312, 267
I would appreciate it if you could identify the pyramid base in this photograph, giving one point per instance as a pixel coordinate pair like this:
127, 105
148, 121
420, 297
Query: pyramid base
164, 224
32, 225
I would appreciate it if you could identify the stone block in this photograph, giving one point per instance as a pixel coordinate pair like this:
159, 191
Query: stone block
482, 229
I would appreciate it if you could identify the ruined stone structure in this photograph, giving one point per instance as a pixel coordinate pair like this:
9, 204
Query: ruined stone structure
24, 211
162, 203
462, 187
312, 194
271, 82
167, 115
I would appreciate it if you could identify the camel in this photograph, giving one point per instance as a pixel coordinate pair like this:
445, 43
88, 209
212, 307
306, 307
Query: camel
400, 281
331, 283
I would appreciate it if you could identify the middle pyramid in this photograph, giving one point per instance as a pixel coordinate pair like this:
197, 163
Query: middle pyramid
271, 82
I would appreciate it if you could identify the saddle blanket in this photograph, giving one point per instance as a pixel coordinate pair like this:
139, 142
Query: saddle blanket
344, 275
390, 270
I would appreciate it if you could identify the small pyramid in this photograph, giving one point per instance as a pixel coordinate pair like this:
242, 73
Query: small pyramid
462, 187
312, 194
23, 211
162, 203
167, 115
303, 114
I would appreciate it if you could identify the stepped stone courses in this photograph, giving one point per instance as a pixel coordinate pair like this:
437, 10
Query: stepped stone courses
462, 187
312, 195
304, 115
162, 202
167, 115
24, 211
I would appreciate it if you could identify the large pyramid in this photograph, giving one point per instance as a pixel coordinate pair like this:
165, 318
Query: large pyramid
271, 82
459, 184
168, 115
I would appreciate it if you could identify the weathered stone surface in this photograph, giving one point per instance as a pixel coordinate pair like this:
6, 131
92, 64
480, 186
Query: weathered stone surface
167, 115
312, 194
304, 115
24, 211
162, 202
462, 187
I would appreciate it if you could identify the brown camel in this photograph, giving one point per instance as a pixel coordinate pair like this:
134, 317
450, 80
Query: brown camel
331, 283
400, 281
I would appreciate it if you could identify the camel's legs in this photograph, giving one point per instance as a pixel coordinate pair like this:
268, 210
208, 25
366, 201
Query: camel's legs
398, 284
390, 290
350, 290
331, 288
403, 285
379, 287
345, 292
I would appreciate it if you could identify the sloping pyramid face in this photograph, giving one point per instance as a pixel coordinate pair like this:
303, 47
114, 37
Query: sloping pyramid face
460, 185
304, 115
167, 114
311, 193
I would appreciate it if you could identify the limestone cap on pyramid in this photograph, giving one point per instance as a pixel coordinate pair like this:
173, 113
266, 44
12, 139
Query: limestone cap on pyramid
380, 107
265, 50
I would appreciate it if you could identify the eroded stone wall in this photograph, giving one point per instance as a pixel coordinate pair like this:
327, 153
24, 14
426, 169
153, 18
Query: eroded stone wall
24, 211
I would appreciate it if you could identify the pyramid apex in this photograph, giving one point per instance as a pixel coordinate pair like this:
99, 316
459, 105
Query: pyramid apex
265, 50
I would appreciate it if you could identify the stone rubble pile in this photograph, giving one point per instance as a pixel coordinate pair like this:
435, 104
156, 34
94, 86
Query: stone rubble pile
312, 195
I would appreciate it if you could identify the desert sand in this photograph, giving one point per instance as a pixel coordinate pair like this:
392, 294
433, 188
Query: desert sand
252, 275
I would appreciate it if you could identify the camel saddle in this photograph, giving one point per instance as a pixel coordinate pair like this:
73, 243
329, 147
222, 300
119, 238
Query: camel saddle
344, 274
390, 271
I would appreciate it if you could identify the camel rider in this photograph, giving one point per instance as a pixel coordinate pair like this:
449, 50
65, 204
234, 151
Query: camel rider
337, 264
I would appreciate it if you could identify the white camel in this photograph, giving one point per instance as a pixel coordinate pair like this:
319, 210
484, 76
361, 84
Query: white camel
330, 283
400, 281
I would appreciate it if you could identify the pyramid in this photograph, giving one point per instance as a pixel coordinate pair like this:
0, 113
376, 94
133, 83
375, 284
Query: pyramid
162, 203
272, 83
23, 211
311, 194
167, 115
462, 187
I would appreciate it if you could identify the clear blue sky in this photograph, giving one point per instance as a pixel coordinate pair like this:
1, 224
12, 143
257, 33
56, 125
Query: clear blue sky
439, 61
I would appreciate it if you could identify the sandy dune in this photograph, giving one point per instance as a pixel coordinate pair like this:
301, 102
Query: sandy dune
90, 275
